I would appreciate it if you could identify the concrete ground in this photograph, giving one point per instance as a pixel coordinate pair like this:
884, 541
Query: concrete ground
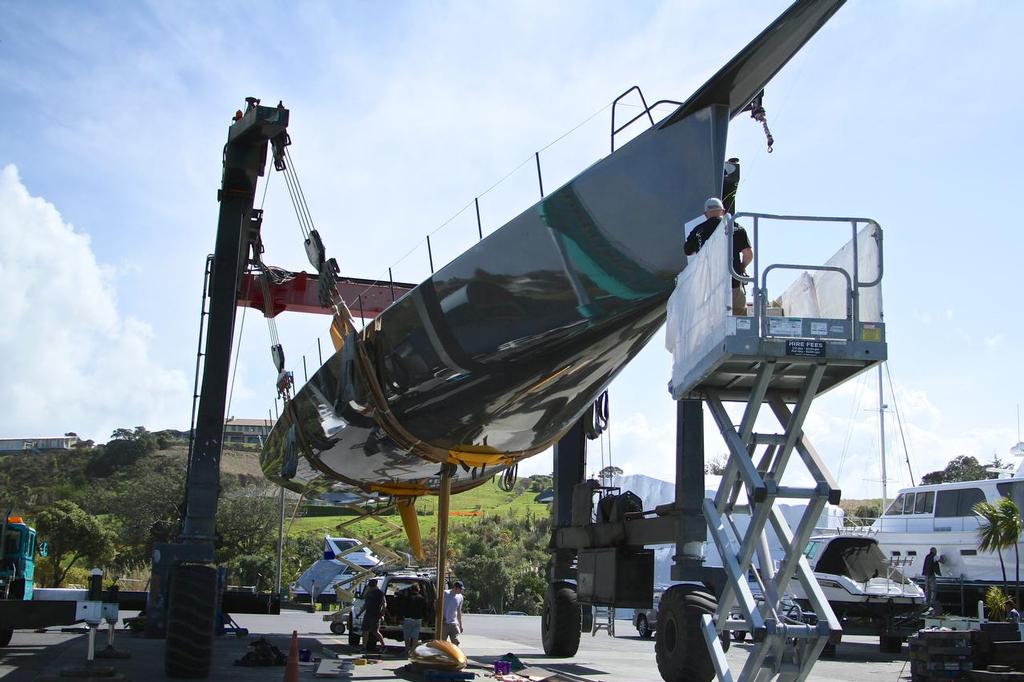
625, 658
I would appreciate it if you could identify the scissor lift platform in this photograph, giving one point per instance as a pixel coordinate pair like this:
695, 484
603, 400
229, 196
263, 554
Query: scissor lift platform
731, 368
783, 362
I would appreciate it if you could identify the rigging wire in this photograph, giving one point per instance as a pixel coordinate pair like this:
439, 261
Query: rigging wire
899, 422
505, 177
850, 423
234, 369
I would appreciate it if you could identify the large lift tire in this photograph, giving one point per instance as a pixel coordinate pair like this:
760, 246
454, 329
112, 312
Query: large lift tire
560, 624
5, 636
190, 621
679, 644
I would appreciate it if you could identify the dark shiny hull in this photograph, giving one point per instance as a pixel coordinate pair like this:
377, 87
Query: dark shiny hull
503, 349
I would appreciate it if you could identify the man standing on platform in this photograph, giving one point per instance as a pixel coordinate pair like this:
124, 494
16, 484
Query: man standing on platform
742, 255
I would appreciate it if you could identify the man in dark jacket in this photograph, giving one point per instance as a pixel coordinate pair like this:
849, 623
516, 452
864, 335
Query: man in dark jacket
742, 255
931, 570
372, 613
414, 610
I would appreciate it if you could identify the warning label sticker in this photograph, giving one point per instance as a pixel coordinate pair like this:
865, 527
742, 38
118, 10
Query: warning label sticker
785, 326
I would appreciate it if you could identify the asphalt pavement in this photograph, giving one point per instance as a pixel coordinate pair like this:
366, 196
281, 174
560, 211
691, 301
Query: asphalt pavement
625, 658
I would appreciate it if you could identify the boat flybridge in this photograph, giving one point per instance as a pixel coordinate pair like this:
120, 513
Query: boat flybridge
942, 516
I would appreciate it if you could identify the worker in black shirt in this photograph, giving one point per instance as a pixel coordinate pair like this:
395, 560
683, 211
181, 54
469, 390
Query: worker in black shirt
374, 606
414, 610
742, 255
931, 570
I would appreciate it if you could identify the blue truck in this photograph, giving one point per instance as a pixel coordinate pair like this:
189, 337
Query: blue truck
17, 566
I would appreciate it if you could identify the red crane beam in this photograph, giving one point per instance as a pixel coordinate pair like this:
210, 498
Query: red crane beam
298, 293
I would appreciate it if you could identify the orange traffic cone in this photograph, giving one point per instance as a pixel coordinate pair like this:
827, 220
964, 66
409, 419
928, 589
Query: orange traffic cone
291, 669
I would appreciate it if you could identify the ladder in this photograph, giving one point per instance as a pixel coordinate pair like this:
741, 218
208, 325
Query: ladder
781, 362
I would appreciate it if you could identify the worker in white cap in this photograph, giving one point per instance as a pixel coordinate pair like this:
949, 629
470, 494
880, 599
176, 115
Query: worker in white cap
742, 255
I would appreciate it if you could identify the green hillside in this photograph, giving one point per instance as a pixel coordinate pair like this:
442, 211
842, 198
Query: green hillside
486, 500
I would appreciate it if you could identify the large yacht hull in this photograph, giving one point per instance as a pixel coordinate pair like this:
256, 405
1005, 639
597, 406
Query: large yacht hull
497, 354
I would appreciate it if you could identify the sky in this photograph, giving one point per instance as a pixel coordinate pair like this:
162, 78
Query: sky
115, 115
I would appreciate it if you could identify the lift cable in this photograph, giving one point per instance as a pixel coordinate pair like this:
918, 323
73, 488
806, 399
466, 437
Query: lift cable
899, 422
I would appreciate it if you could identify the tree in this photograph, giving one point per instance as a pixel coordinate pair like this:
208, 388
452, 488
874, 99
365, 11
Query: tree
609, 472
1012, 526
716, 467
72, 535
246, 523
962, 468
1000, 529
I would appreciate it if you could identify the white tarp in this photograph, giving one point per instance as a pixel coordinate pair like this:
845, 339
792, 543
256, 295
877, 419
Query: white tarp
698, 309
818, 293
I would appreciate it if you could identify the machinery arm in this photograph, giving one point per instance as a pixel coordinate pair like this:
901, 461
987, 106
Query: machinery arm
298, 292
245, 156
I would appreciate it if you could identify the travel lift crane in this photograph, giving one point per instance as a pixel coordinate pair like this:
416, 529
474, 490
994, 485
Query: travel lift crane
184, 591
781, 362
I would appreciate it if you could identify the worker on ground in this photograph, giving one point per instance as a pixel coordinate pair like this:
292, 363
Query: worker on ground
453, 613
742, 255
415, 610
931, 570
372, 613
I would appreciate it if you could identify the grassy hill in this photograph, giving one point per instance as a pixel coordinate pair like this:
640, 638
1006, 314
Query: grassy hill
486, 500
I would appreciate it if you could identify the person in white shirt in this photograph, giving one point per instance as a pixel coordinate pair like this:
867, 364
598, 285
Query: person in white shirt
453, 613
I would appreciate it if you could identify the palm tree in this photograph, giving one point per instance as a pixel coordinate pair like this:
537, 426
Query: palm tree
1011, 525
991, 533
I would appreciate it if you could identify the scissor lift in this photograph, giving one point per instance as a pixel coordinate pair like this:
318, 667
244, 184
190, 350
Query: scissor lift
782, 362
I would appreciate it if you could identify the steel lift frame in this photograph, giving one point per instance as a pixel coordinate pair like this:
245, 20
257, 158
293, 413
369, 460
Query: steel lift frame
184, 592
762, 361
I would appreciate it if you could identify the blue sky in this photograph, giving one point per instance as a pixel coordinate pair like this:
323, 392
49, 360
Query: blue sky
114, 117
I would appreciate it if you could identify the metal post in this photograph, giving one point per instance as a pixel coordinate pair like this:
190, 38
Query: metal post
480, 228
280, 542
391, 283
881, 437
305, 374
689, 486
430, 255
443, 500
540, 180
319, 351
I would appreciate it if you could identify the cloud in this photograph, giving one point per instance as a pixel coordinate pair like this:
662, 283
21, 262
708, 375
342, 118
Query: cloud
995, 341
73, 362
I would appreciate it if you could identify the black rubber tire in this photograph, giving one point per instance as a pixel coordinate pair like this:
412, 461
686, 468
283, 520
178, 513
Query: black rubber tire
586, 618
679, 645
888, 644
643, 627
560, 623
338, 627
739, 635
354, 638
191, 613
5, 636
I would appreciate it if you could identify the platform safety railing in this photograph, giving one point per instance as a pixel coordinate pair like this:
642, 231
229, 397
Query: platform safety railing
759, 279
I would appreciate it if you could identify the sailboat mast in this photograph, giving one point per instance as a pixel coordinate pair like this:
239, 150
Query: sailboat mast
881, 437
